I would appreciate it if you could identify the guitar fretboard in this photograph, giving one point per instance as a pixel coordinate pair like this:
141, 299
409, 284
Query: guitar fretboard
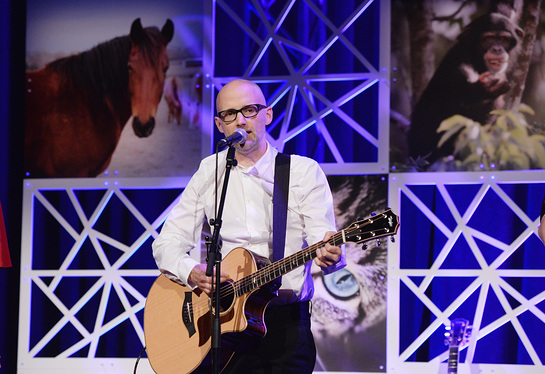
453, 360
275, 270
373, 228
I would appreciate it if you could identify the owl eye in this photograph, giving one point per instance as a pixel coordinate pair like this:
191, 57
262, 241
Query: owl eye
342, 284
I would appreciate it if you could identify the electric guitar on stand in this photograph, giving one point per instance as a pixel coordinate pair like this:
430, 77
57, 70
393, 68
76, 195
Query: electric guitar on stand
456, 335
177, 320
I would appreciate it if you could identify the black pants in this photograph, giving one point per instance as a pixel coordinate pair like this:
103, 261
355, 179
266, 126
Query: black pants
288, 346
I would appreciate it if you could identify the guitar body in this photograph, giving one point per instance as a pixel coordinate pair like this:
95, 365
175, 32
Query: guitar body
177, 321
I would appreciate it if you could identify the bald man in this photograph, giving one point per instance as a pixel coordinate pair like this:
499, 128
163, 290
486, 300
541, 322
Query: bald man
288, 346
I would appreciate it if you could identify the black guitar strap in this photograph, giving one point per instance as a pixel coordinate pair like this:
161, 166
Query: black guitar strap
280, 207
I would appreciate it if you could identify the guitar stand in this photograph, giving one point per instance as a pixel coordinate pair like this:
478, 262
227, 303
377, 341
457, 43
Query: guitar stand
214, 260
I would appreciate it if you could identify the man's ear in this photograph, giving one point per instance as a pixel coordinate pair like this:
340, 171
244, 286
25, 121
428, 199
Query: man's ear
269, 115
218, 124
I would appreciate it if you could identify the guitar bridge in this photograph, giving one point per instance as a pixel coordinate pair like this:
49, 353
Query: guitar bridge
187, 314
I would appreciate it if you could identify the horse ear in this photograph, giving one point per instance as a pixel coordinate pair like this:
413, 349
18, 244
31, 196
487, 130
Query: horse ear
137, 32
168, 31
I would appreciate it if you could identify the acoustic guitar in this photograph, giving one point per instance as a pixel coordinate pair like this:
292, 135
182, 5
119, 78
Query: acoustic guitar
456, 335
177, 321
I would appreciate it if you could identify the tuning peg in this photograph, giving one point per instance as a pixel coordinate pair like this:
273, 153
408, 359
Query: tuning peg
447, 338
364, 246
392, 239
378, 242
373, 214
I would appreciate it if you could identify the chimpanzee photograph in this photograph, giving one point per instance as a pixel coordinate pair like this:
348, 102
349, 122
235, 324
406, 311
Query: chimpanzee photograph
470, 81
459, 97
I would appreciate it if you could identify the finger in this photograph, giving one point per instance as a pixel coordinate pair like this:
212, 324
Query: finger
327, 236
331, 254
322, 257
319, 263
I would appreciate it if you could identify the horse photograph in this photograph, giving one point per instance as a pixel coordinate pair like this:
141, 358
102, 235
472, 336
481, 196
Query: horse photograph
95, 93
77, 106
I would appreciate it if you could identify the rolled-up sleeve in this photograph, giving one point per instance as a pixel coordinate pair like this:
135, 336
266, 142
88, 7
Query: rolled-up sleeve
315, 204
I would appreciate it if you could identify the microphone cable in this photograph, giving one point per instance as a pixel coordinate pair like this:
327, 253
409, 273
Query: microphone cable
138, 359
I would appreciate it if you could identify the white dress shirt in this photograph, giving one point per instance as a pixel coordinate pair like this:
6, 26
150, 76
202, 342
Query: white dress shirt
247, 218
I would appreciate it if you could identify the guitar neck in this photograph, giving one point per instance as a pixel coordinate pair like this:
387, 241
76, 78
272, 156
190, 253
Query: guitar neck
453, 360
281, 267
380, 225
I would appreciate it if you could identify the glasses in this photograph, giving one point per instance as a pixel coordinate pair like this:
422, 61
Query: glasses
249, 111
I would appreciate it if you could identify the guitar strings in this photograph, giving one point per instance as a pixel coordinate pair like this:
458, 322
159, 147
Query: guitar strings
248, 283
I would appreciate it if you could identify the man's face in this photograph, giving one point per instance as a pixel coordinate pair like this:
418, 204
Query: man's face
236, 98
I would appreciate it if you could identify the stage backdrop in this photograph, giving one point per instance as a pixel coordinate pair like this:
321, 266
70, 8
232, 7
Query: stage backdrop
467, 245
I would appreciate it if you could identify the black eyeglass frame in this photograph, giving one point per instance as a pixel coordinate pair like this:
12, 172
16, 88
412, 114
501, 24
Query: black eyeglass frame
237, 111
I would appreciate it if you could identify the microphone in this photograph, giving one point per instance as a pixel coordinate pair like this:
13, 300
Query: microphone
239, 136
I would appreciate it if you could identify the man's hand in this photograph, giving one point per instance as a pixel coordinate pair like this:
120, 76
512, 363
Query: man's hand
198, 277
328, 254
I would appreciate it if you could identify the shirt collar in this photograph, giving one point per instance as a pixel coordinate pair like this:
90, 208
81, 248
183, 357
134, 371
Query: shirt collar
265, 165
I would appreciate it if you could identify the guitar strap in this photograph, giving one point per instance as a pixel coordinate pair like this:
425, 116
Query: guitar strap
280, 208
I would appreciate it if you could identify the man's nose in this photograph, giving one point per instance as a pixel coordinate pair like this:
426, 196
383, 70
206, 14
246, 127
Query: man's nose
240, 121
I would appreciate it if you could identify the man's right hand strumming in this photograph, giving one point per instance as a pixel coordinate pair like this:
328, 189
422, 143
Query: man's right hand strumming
198, 278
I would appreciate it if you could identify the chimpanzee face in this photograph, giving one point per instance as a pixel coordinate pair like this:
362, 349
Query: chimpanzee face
497, 40
496, 45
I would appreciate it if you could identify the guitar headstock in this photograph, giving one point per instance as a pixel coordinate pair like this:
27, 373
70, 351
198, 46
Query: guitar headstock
458, 333
377, 226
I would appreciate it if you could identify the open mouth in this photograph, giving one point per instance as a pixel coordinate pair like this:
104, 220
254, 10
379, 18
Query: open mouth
496, 64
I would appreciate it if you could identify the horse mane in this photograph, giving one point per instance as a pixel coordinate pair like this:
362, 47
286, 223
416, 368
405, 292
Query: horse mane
102, 71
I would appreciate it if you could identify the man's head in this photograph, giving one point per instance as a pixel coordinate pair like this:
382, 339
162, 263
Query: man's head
233, 97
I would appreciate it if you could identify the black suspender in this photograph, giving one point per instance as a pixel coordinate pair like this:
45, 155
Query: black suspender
280, 205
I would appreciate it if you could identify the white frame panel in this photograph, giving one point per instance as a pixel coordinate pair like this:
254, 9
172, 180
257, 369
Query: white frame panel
111, 278
299, 81
489, 276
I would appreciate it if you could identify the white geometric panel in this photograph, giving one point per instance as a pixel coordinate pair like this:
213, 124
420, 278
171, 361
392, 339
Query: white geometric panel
476, 278
78, 250
325, 101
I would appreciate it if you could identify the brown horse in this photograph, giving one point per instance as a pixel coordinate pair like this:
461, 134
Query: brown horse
77, 106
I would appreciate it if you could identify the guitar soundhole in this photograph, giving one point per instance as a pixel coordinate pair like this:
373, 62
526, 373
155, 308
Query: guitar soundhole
227, 296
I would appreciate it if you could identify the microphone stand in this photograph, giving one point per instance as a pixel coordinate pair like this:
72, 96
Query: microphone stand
214, 259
